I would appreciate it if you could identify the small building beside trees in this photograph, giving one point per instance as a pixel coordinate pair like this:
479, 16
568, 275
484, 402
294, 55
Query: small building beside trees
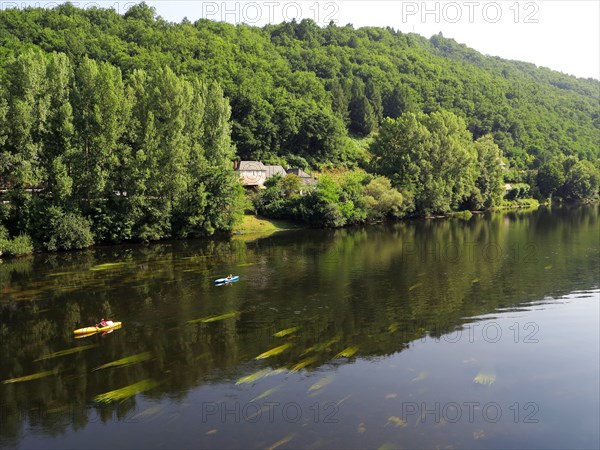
254, 174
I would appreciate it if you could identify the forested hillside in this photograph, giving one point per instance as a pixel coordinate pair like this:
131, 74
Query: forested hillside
127, 124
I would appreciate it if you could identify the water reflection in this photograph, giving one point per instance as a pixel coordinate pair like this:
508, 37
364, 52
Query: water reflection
319, 318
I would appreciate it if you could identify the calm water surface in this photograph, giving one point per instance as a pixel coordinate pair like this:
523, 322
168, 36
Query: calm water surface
478, 334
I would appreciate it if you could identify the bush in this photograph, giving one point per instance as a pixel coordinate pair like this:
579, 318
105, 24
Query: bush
382, 200
277, 209
338, 199
68, 231
327, 215
528, 203
520, 203
20, 245
475, 201
521, 190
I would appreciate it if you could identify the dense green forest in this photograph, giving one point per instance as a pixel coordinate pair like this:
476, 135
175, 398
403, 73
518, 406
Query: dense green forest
117, 127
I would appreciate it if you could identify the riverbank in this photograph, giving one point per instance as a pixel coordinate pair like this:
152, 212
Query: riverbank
521, 203
253, 227
252, 224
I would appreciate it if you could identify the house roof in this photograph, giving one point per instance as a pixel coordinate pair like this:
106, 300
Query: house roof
299, 172
251, 165
269, 170
275, 170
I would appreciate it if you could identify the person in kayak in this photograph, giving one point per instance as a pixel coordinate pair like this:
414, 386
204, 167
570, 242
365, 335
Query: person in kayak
105, 323
229, 277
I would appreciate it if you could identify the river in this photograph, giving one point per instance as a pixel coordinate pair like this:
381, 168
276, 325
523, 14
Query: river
420, 334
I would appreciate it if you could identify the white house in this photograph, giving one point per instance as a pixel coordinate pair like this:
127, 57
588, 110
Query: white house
253, 174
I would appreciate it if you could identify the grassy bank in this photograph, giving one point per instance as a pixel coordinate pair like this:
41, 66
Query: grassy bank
520, 203
252, 227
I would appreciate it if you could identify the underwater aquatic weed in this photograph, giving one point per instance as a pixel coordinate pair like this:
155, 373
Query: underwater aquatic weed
127, 391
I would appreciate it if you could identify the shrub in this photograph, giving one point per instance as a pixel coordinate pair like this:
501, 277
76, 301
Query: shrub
528, 203
68, 231
19, 245
520, 203
382, 200
317, 211
518, 191
475, 201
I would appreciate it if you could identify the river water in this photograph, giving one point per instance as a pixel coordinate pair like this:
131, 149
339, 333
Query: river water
447, 333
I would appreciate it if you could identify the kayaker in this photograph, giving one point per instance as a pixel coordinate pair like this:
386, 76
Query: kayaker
105, 323
229, 277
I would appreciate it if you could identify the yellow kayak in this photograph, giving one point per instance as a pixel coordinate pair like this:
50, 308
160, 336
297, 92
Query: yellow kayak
94, 329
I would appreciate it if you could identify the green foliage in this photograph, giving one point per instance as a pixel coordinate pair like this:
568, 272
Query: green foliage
292, 185
146, 157
432, 156
225, 202
518, 191
325, 206
141, 12
295, 87
475, 200
101, 113
19, 245
355, 152
489, 183
383, 201
271, 201
363, 118
296, 162
69, 231
345, 199
550, 178
400, 100
131, 122
520, 203
582, 181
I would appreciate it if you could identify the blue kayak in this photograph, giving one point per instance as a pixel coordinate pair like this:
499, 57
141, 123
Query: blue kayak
227, 280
